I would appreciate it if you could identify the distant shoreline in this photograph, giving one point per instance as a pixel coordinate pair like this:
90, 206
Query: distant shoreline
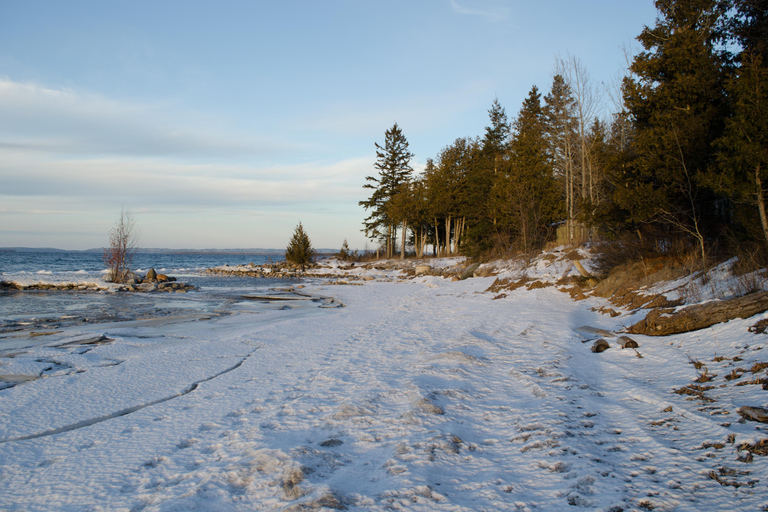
256, 251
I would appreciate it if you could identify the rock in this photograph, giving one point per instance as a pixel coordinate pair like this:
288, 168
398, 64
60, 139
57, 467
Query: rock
484, 271
330, 443
627, 342
422, 269
152, 275
600, 346
162, 278
427, 406
470, 271
754, 413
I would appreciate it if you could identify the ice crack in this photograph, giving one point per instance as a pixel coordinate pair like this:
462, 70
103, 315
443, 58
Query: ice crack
129, 410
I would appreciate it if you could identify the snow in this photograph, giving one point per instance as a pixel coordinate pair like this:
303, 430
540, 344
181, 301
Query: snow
420, 394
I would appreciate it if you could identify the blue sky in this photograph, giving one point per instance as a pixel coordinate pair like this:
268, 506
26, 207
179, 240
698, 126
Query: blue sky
223, 124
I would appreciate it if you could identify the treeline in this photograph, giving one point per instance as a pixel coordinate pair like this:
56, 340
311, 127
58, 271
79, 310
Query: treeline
682, 160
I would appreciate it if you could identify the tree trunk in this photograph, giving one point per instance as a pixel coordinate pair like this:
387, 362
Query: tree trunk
666, 321
437, 239
458, 228
569, 165
761, 203
402, 240
448, 235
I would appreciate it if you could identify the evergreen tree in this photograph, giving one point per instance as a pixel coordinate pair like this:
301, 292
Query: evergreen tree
449, 192
561, 126
532, 198
496, 137
393, 163
743, 160
299, 250
344, 253
678, 107
485, 183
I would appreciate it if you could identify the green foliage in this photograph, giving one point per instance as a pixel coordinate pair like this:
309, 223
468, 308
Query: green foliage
531, 194
678, 107
683, 161
344, 253
393, 163
299, 250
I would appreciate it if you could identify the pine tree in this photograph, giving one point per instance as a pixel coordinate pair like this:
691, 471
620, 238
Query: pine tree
677, 102
393, 163
344, 253
743, 160
299, 250
531, 195
485, 183
560, 115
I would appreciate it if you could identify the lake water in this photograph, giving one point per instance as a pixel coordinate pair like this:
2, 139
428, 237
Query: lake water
35, 310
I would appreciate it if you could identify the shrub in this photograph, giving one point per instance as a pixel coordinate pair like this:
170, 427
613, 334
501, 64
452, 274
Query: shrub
123, 244
299, 250
344, 253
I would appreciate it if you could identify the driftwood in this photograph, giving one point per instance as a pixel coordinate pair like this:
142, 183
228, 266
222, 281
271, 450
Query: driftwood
591, 281
600, 346
665, 321
754, 413
627, 342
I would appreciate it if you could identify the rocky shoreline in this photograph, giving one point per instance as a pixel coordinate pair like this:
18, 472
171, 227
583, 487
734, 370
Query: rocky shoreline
352, 271
151, 282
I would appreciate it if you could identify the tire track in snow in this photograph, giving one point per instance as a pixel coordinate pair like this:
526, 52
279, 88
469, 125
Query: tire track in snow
124, 412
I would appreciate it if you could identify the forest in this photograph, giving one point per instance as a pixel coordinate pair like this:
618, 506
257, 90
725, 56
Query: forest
680, 164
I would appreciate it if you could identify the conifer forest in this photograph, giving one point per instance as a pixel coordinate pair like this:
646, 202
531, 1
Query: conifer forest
674, 157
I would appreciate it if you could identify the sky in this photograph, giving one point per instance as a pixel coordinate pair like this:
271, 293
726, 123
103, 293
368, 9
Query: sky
225, 124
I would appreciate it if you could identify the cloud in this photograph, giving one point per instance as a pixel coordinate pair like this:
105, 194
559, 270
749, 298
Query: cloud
157, 181
493, 10
65, 121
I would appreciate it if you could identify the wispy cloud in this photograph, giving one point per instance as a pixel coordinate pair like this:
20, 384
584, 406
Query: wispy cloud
157, 181
493, 10
66, 121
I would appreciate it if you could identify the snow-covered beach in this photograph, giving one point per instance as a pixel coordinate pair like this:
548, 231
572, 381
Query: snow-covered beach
419, 394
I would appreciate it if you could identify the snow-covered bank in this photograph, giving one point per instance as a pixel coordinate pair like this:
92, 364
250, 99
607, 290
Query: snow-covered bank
421, 394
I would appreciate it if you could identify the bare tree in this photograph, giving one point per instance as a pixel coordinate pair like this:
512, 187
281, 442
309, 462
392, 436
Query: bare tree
123, 244
587, 106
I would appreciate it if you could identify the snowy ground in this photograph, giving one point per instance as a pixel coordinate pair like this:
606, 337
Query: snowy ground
422, 394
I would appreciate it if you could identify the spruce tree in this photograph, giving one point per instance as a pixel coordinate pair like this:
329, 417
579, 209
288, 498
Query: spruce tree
532, 197
393, 163
299, 250
743, 169
561, 134
485, 181
677, 102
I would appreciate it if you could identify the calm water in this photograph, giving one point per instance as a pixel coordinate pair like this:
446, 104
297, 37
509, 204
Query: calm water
35, 310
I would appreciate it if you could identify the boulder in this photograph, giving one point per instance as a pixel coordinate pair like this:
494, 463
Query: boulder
162, 278
152, 275
422, 269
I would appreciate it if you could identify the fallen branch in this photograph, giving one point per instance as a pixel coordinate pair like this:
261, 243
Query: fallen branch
666, 321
